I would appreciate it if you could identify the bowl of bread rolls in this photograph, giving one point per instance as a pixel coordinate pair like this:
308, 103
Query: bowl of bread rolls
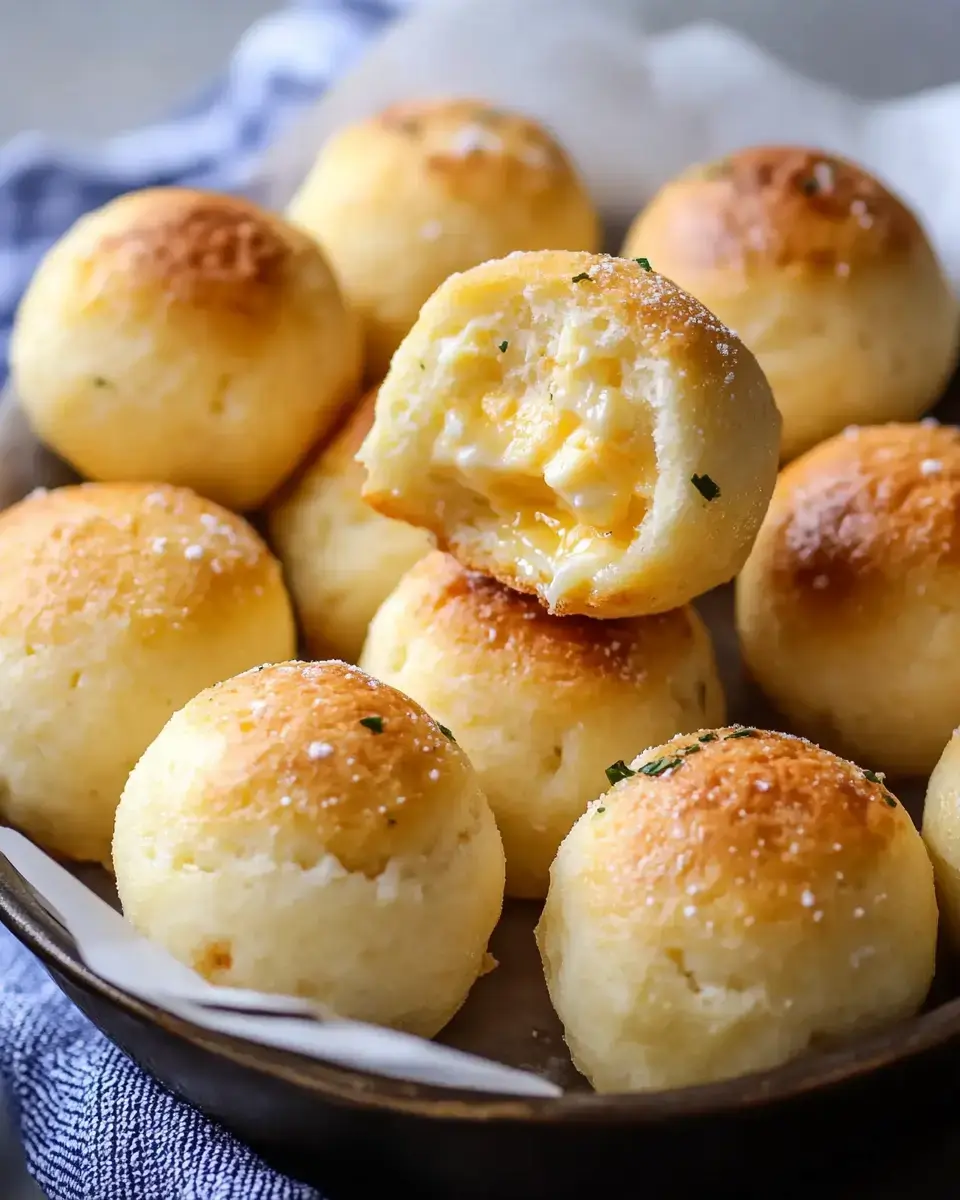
545, 651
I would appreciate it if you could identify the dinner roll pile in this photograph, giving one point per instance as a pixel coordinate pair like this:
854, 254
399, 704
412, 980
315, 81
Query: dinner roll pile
402, 200
848, 609
737, 898
304, 829
542, 705
500, 471
825, 274
118, 603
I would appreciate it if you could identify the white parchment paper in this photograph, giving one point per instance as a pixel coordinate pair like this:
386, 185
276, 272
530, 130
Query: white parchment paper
112, 949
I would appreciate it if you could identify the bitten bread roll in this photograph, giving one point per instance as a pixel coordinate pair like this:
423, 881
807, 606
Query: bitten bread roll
542, 705
187, 337
824, 274
848, 610
577, 427
341, 558
118, 602
402, 200
305, 830
738, 899
941, 832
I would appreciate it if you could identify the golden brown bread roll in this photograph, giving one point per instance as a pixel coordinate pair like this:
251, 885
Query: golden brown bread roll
580, 429
824, 274
542, 705
303, 829
188, 337
941, 832
341, 558
118, 602
848, 609
402, 200
737, 899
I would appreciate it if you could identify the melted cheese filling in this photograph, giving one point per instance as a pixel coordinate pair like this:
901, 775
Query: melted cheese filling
549, 439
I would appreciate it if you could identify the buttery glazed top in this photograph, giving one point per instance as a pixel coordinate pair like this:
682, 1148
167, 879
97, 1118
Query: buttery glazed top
300, 760
776, 208
743, 812
149, 555
471, 612
872, 503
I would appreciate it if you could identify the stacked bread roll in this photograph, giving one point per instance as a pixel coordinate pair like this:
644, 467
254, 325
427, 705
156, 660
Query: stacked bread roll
498, 469
593, 449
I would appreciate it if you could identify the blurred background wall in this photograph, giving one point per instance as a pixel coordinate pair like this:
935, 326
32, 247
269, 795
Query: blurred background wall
94, 67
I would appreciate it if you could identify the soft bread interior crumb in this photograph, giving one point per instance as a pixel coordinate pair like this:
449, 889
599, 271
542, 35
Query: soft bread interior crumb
564, 423
552, 433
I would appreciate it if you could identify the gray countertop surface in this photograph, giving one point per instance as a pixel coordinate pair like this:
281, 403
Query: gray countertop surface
88, 68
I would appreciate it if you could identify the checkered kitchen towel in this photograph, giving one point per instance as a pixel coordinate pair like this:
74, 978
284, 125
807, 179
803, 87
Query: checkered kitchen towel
94, 1126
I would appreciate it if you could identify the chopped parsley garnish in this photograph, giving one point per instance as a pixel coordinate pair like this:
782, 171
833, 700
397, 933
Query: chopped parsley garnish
705, 486
423, 365
580, 278
644, 262
100, 381
739, 733
617, 771
659, 765
879, 777
600, 809
374, 724
694, 749
446, 732
707, 737
503, 347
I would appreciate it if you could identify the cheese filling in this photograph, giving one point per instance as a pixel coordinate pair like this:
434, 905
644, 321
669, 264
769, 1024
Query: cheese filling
552, 439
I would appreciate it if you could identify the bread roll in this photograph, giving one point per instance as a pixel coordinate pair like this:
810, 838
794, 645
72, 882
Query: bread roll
580, 429
941, 832
743, 897
188, 337
305, 830
849, 607
402, 200
542, 705
341, 558
118, 602
824, 274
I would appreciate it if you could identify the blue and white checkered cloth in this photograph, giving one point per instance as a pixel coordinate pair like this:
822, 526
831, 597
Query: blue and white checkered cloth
94, 1126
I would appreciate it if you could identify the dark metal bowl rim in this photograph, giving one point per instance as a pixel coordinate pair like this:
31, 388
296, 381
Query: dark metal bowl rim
812, 1073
